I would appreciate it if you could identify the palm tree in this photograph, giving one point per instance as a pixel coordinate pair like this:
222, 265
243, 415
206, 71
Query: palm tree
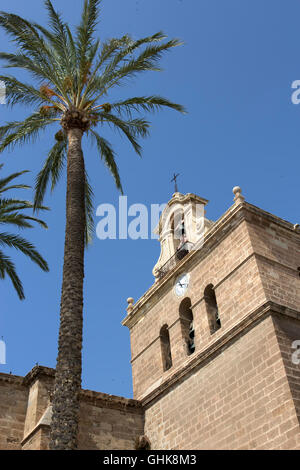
11, 213
73, 73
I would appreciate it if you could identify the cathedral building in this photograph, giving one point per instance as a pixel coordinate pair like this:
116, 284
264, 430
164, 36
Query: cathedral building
215, 344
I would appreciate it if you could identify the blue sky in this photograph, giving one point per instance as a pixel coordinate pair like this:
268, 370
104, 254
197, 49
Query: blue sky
234, 76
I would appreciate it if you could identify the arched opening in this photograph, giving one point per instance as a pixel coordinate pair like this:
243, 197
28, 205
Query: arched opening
187, 325
178, 232
212, 309
175, 239
165, 347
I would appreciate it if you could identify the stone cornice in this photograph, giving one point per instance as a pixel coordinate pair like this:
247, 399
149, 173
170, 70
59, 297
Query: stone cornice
37, 372
104, 400
217, 232
249, 321
9, 378
88, 396
184, 198
272, 218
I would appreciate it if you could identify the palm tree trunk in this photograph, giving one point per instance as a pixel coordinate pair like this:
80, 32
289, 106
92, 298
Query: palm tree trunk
65, 403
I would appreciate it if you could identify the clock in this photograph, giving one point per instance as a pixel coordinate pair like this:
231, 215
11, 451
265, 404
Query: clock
182, 284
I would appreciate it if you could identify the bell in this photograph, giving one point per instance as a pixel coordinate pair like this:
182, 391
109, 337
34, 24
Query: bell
192, 346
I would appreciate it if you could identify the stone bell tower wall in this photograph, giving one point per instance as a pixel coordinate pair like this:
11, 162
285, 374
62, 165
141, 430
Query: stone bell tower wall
249, 256
227, 261
240, 389
288, 331
237, 398
277, 249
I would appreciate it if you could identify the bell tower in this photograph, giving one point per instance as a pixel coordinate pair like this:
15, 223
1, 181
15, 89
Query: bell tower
181, 228
212, 339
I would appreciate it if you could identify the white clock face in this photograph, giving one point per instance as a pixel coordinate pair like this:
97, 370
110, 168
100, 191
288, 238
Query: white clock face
182, 284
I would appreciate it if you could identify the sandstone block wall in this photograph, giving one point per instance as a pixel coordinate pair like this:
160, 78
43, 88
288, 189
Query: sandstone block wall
287, 331
107, 422
240, 399
232, 268
239, 389
13, 405
277, 251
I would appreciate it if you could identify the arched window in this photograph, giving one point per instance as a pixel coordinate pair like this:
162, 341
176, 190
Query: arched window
177, 230
212, 309
187, 325
174, 233
165, 347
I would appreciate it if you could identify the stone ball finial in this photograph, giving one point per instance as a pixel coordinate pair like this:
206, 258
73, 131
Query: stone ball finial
296, 227
238, 194
236, 190
130, 302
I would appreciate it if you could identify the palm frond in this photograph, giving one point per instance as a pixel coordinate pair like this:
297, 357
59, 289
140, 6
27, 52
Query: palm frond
18, 220
16, 186
73, 61
37, 68
86, 29
108, 50
147, 60
132, 129
58, 160
11, 205
111, 47
108, 156
145, 103
116, 50
59, 38
60, 53
55, 21
25, 131
26, 36
128, 48
11, 213
19, 243
8, 267
8, 179
52, 167
18, 92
